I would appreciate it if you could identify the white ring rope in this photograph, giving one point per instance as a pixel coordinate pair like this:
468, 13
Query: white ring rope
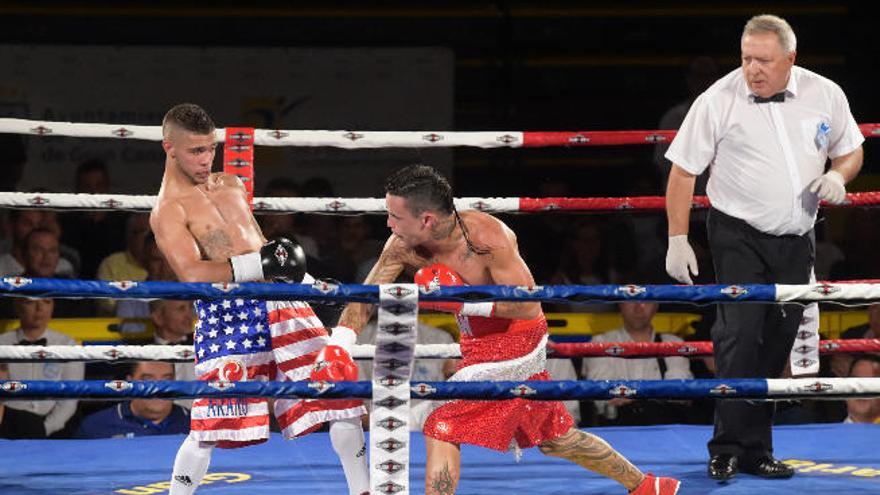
126, 202
275, 137
173, 353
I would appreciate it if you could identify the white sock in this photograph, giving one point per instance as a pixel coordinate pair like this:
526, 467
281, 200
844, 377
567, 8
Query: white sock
347, 437
190, 466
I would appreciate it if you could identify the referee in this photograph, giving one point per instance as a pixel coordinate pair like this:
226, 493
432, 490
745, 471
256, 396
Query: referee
767, 131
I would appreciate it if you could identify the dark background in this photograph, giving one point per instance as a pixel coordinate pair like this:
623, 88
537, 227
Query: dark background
519, 65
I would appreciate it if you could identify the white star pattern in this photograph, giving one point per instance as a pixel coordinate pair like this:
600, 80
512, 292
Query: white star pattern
228, 330
202, 313
230, 344
247, 343
258, 311
261, 341
242, 315
214, 347
212, 320
212, 308
226, 304
243, 329
213, 333
198, 324
201, 353
227, 318
259, 327
239, 302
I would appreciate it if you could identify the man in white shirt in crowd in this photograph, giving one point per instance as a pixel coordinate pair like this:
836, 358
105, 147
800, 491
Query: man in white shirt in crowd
864, 410
637, 327
34, 316
767, 131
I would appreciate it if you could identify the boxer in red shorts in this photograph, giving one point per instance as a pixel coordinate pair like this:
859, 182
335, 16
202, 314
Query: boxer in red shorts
499, 341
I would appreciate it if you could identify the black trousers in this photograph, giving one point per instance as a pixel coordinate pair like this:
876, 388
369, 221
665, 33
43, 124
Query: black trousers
753, 340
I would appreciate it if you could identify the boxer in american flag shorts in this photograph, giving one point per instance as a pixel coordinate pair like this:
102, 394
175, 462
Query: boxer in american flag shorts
249, 340
206, 231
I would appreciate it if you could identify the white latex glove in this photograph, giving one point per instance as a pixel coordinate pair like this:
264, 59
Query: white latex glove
681, 260
831, 187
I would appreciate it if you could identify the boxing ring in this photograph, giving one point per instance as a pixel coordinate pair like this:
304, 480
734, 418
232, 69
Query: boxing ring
827, 458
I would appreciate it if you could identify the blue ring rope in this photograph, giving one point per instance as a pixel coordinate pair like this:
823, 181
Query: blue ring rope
743, 388
698, 294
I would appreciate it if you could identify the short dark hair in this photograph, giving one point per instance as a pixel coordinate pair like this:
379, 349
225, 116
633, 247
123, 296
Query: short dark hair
189, 117
871, 358
423, 188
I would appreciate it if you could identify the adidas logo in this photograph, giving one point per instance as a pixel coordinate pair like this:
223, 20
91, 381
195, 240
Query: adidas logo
182, 478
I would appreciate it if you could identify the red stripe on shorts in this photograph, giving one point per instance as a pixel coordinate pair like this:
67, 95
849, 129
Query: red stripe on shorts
283, 314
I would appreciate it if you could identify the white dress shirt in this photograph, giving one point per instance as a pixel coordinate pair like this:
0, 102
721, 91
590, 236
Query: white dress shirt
765, 155
677, 368
56, 412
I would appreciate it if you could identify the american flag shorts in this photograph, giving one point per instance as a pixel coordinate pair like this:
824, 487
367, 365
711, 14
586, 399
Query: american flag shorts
246, 339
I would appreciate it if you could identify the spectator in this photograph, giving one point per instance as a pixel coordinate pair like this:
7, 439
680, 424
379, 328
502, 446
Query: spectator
842, 363
173, 325
34, 316
134, 309
15, 423
584, 261
358, 248
127, 264
139, 417
864, 410
285, 225
637, 327
433, 370
702, 72
22, 222
95, 234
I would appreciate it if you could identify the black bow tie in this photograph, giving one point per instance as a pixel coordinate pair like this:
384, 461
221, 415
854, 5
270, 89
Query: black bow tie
32, 342
778, 98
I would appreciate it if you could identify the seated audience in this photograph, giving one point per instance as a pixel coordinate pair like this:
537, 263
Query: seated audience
17, 424
864, 410
129, 263
34, 316
139, 417
637, 327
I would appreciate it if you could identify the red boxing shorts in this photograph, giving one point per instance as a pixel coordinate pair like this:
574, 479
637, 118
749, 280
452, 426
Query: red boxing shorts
243, 340
516, 354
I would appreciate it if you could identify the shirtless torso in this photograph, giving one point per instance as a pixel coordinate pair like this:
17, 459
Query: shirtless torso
499, 263
200, 218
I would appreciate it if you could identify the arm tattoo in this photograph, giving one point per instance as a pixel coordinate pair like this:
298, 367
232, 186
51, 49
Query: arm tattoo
595, 454
441, 483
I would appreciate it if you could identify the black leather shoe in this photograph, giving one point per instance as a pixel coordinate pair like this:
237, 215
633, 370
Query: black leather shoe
722, 467
770, 468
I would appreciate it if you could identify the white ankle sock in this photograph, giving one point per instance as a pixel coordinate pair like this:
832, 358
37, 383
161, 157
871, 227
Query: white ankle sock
190, 466
347, 437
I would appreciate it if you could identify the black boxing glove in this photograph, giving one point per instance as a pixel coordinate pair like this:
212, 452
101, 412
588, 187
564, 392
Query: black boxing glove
280, 259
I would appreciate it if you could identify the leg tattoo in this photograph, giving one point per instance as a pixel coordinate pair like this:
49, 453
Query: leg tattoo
440, 483
595, 454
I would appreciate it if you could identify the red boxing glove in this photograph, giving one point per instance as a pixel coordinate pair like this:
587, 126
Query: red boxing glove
431, 277
334, 362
